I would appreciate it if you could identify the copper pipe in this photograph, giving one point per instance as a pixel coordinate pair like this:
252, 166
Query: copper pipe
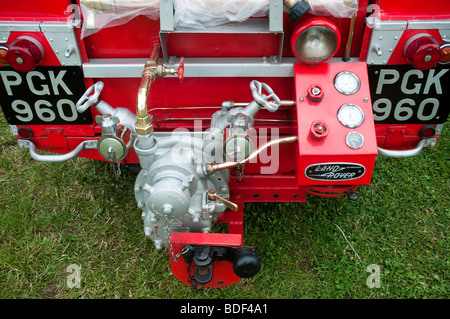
284, 103
155, 52
212, 168
348, 46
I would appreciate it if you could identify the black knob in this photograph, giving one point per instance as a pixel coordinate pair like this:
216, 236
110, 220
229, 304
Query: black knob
353, 196
246, 262
298, 10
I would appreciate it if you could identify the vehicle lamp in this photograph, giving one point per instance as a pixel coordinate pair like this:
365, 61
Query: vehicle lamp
445, 53
3, 52
315, 41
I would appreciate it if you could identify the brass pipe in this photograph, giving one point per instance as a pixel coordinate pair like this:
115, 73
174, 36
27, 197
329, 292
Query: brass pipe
212, 168
143, 124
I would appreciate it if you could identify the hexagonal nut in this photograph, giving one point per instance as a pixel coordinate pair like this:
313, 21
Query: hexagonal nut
144, 130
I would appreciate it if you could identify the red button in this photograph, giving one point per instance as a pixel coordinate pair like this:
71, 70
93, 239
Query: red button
25, 53
422, 51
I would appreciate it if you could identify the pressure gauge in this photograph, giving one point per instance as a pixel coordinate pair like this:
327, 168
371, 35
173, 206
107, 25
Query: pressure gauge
354, 140
347, 82
350, 115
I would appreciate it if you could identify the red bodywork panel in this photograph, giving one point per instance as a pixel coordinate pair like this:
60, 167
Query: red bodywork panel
333, 147
191, 103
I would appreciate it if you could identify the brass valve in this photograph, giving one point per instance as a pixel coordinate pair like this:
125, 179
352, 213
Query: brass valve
212, 195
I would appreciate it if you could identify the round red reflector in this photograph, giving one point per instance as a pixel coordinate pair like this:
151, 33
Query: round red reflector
25, 53
315, 41
422, 51
427, 131
25, 132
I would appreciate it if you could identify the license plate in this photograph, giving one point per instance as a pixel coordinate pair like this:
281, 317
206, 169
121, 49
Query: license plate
46, 95
403, 94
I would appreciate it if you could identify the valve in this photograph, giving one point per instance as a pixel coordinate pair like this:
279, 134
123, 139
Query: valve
315, 93
87, 100
262, 99
319, 130
180, 71
212, 195
296, 8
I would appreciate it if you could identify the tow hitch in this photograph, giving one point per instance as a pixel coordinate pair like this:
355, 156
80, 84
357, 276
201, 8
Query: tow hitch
244, 259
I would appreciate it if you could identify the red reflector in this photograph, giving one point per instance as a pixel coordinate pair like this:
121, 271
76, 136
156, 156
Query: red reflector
422, 51
427, 131
25, 132
25, 53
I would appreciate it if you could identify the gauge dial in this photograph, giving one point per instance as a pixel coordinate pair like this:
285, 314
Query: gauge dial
354, 140
350, 115
347, 82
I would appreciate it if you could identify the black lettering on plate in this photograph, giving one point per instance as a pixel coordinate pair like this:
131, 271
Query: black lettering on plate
334, 171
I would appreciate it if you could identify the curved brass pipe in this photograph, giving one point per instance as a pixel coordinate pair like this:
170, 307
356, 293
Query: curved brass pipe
152, 71
144, 124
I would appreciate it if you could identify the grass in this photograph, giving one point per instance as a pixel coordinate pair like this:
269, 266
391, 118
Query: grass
56, 215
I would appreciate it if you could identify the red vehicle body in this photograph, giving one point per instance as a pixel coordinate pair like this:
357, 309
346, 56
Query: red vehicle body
399, 52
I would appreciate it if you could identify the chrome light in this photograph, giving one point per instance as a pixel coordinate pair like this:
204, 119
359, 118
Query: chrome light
315, 41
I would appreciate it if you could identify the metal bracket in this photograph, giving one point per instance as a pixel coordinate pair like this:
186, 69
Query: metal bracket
6, 27
62, 39
442, 25
14, 129
385, 36
274, 24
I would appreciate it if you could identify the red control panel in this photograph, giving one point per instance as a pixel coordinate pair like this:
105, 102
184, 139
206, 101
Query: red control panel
336, 130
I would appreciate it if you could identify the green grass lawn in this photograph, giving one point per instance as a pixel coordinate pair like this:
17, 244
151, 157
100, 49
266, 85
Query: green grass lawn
56, 215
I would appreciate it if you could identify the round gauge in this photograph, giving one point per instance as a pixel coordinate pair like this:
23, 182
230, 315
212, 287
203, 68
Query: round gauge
347, 82
350, 115
354, 140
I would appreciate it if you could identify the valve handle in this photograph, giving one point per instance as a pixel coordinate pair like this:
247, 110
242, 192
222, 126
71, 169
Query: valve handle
263, 99
87, 100
212, 195
180, 71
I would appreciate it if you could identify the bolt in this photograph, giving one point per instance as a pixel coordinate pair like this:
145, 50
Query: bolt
427, 58
19, 60
167, 209
316, 90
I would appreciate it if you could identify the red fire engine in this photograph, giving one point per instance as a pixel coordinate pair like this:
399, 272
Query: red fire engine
214, 104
